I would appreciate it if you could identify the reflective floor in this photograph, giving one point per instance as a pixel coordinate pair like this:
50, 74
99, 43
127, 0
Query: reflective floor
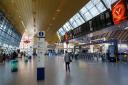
82, 73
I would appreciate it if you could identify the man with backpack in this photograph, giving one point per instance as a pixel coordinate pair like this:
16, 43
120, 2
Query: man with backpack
67, 60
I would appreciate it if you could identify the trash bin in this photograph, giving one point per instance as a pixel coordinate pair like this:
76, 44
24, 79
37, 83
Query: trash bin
14, 65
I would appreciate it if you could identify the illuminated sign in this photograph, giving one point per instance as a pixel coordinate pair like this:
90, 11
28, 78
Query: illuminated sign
41, 34
119, 11
27, 41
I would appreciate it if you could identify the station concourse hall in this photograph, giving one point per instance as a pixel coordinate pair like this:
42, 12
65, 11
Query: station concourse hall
63, 42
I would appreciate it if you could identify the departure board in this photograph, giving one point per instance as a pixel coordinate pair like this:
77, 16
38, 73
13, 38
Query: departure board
99, 22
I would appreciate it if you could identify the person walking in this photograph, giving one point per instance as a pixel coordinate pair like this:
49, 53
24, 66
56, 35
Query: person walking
67, 60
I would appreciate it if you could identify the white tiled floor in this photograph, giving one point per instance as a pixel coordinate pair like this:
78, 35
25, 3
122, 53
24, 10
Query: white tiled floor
82, 73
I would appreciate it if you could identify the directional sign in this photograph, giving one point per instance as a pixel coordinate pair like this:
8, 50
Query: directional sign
41, 34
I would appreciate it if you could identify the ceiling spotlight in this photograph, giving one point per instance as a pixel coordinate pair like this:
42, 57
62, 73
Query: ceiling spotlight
53, 18
23, 24
20, 17
58, 10
47, 29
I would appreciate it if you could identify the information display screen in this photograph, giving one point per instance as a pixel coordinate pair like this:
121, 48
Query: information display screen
111, 51
97, 23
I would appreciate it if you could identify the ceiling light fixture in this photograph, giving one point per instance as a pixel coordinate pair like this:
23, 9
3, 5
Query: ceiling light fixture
58, 10
48, 28
23, 24
20, 17
53, 18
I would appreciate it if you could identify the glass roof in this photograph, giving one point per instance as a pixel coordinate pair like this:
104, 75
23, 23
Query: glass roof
109, 2
61, 31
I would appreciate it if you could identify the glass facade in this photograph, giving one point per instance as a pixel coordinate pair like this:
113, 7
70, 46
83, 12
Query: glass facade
92, 9
76, 20
8, 35
67, 27
61, 31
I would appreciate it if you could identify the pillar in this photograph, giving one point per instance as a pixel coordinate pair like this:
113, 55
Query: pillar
40, 56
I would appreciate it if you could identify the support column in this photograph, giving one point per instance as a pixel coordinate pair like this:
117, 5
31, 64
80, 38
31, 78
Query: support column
113, 51
40, 56
116, 50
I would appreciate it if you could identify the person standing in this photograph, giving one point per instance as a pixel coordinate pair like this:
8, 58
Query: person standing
14, 55
67, 61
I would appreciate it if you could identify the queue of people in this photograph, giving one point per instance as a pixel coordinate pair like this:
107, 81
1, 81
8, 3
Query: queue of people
6, 57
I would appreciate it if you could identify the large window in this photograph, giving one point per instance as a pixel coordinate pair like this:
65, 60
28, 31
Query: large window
95, 1
108, 3
100, 7
94, 11
76, 20
61, 31
90, 10
67, 27
8, 34
79, 20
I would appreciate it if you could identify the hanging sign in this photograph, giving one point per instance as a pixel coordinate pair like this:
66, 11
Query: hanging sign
41, 34
119, 11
